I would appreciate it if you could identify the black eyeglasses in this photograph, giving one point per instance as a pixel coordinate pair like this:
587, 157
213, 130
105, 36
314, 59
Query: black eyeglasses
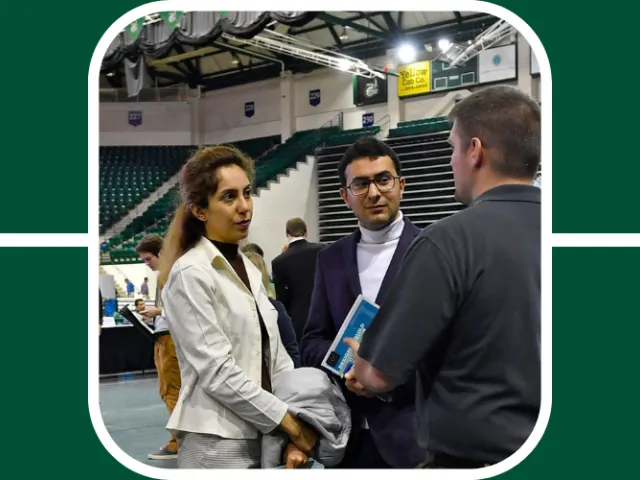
384, 182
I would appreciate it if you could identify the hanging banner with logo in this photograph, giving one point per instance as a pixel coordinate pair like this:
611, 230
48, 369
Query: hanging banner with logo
497, 64
367, 120
135, 118
414, 79
249, 109
369, 91
172, 19
135, 28
314, 97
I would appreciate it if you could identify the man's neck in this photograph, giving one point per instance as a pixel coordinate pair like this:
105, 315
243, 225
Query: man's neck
389, 232
489, 184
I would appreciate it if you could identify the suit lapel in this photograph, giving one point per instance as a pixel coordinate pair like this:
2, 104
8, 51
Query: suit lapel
409, 232
351, 263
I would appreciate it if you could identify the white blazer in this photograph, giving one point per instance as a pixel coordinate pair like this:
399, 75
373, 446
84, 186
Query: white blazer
213, 320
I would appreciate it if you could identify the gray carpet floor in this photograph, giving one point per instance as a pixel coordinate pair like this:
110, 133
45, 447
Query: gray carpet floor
136, 417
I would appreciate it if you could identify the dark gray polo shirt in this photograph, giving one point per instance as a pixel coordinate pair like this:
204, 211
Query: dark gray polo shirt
465, 312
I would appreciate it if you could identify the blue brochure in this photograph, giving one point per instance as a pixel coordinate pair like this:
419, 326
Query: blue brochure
339, 358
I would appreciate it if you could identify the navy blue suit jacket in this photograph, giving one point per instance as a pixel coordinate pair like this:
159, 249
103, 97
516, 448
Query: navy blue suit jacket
337, 285
287, 333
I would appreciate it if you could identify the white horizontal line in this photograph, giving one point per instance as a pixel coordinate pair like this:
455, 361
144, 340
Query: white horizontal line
45, 240
595, 240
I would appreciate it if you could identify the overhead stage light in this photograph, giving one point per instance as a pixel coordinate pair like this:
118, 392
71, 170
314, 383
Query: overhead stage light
444, 44
407, 53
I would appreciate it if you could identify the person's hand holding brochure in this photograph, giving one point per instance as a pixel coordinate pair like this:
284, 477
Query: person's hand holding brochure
339, 358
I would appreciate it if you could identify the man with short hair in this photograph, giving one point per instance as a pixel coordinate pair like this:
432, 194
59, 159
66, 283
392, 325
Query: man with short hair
293, 272
165, 356
366, 262
465, 308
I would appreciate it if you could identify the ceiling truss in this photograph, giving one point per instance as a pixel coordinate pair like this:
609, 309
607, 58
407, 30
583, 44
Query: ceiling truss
292, 51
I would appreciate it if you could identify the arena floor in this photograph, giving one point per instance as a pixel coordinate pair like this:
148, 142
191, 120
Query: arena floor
135, 416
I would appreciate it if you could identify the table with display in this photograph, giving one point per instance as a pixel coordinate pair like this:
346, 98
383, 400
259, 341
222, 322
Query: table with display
124, 349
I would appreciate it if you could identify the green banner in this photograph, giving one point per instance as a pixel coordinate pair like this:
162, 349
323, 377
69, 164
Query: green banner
172, 19
135, 28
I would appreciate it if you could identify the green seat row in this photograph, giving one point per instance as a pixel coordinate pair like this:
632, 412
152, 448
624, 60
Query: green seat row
417, 129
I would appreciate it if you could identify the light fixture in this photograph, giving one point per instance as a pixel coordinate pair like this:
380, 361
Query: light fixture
344, 64
344, 35
407, 53
444, 44
110, 74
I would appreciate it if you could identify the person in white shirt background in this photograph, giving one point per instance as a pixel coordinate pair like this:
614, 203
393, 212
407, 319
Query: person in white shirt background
164, 350
224, 325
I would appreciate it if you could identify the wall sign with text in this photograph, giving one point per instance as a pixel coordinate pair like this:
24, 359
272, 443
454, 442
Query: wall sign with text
415, 79
249, 109
314, 97
135, 118
367, 120
495, 64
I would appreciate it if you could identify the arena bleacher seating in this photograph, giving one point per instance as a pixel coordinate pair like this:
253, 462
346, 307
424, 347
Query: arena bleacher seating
417, 127
130, 174
286, 155
272, 157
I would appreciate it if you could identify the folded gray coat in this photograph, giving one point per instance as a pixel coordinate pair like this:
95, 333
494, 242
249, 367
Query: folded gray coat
318, 401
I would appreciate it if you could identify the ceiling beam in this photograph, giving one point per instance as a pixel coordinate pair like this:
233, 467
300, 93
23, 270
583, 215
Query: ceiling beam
180, 67
400, 15
349, 23
335, 36
168, 75
225, 47
366, 48
230, 78
458, 16
370, 19
193, 72
298, 31
375, 47
388, 19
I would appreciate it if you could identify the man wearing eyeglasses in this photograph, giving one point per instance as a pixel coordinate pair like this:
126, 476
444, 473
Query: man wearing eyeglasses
366, 262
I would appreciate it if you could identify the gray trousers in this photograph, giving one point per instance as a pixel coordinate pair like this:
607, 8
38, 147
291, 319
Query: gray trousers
197, 450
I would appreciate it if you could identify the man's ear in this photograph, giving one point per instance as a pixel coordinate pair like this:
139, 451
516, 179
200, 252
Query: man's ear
343, 195
476, 156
